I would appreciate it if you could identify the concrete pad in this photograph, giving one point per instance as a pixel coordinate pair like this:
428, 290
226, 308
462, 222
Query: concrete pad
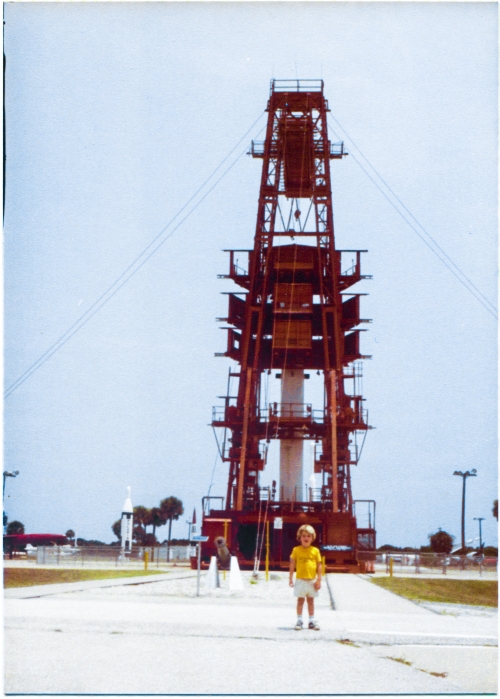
370, 614
161, 638
58, 588
106, 647
475, 668
352, 593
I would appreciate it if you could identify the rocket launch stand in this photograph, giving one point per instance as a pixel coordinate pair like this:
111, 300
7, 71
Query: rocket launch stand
295, 313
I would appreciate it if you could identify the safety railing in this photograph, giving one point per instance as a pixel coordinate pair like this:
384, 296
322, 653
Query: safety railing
235, 270
314, 494
349, 416
219, 413
207, 503
275, 411
292, 411
306, 85
257, 149
355, 269
337, 150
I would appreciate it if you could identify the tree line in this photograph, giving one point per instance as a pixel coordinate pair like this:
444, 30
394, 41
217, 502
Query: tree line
170, 509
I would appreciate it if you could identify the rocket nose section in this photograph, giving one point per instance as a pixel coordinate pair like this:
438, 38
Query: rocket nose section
127, 505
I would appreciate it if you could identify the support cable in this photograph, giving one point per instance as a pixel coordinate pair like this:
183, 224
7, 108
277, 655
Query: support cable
213, 470
258, 547
439, 252
219, 453
218, 446
365, 432
131, 270
256, 559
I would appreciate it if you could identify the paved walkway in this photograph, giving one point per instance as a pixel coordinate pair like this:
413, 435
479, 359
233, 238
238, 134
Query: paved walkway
369, 614
160, 638
58, 588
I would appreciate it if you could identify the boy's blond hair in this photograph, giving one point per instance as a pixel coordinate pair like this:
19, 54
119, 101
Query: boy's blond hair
307, 529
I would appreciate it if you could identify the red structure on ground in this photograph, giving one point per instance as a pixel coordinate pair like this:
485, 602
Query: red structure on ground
18, 542
296, 312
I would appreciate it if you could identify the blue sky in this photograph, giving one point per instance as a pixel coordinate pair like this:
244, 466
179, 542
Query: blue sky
116, 114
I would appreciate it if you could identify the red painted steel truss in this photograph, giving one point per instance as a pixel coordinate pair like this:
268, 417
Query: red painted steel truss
296, 310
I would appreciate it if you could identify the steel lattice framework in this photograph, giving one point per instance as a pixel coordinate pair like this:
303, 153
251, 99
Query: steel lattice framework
294, 314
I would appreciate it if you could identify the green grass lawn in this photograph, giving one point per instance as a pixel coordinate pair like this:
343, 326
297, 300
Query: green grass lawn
25, 577
477, 592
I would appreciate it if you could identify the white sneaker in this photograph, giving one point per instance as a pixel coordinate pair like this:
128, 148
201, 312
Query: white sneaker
299, 625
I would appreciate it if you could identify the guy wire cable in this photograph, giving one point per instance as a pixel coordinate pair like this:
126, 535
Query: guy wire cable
213, 471
448, 262
132, 268
410, 213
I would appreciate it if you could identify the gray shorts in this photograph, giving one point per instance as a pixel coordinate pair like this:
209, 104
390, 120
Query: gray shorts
304, 588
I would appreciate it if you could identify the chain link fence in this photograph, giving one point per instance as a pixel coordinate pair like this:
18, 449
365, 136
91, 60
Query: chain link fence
163, 556
111, 556
433, 563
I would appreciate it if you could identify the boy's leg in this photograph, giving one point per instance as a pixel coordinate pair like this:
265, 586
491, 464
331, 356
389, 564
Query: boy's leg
313, 624
300, 605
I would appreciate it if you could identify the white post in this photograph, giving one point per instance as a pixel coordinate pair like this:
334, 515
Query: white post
235, 579
199, 567
212, 579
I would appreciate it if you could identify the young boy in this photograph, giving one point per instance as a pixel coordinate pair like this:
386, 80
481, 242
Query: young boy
306, 559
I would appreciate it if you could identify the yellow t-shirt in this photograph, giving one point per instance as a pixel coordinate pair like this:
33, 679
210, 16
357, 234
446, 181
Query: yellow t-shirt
306, 561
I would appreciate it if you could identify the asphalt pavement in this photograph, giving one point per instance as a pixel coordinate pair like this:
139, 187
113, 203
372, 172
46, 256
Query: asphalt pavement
158, 637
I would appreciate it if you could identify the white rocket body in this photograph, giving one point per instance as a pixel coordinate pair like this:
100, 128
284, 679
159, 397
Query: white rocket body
291, 450
127, 524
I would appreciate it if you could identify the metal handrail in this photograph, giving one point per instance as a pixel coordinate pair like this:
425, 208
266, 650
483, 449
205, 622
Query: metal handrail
304, 85
296, 411
206, 502
292, 411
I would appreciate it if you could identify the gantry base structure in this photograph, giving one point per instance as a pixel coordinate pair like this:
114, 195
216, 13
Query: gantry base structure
295, 313
255, 539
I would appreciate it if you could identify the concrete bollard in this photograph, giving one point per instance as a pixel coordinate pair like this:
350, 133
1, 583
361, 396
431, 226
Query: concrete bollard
212, 579
235, 579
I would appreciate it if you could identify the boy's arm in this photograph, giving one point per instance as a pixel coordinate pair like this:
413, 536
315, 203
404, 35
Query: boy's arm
319, 570
292, 571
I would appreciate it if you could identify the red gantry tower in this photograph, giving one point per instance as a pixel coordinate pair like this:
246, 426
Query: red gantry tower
296, 313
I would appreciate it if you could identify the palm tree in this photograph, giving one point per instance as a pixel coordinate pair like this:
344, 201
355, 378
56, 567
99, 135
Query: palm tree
139, 534
15, 527
171, 509
157, 519
117, 529
142, 517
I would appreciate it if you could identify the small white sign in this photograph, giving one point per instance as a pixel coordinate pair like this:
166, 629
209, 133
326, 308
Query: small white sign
278, 522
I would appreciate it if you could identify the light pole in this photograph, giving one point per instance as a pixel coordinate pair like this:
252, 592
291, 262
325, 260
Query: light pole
189, 529
464, 476
7, 474
480, 519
